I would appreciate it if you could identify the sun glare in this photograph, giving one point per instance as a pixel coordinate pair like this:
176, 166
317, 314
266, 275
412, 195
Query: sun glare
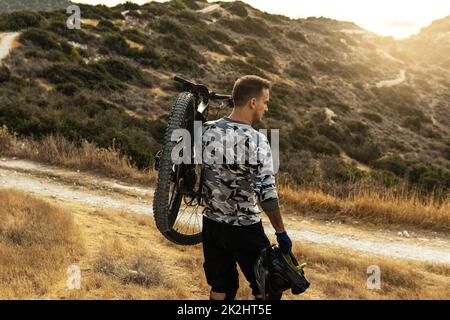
397, 18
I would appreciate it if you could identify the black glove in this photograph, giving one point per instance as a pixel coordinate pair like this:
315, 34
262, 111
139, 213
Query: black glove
284, 242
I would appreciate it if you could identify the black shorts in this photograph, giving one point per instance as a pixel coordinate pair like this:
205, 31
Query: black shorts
224, 245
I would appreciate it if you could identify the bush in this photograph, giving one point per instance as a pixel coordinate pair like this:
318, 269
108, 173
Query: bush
69, 89
241, 67
220, 36
279, 45
237, 8
179, 4
366, 152
413, 123
5, 74
372, 116
356, 126
298, 71
130, 6
249, 26
121, 69
180, 63
136, 36
60, 28
115, 43
100, 12
171, 27
16, 21
180, 47
106, 26
192, 4
393, 164
86, 76
428, 177
41, 38
297, 36
251, 46
263, 64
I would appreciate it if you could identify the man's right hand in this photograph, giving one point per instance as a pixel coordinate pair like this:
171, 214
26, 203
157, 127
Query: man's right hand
284, 242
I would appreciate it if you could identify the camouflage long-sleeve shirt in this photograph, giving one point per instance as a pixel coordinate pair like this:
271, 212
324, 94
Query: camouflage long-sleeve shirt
239, 174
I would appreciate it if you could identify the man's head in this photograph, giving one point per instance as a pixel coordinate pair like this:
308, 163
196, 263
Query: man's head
251, 96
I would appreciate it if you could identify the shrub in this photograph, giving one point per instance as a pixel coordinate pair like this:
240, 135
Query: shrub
393, 164
85, 76
130, 6
180, 63
192, 4
106, 25
249, 26
241, 67
279, 45
320, 144
297, 36
44, 39
121, 69
60, 28
16, 21
180, 47
135, 35
189, 18
299, 71
372, 116
357, 126
412, 122
115, 43
5, 74
220, 36
179, 4
366, 152
251, 46
237, 8
169, 26
428, 177
100, 12
69, 89
263, 64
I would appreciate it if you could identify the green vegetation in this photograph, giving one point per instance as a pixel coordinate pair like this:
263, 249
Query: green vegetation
20, 20
237, 8
248, 26
297, 36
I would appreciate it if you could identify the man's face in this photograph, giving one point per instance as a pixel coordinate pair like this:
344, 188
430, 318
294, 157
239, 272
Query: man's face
261, 106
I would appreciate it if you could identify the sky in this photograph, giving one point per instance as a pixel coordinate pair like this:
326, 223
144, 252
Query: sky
397, 18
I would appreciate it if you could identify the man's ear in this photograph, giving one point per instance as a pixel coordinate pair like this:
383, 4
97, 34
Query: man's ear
253, 103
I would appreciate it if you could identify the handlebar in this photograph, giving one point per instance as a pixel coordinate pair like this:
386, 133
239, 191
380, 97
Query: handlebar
203, 90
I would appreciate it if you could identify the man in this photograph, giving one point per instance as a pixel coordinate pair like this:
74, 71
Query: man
232, 228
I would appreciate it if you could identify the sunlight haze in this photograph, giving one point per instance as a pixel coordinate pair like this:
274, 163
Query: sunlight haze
398, 18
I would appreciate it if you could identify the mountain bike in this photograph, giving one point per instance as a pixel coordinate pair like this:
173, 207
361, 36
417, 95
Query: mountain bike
177, 202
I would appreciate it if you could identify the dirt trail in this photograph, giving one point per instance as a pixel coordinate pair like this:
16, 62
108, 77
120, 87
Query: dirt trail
6, 43
71, 186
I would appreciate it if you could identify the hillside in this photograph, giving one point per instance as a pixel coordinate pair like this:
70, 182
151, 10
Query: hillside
7, 6
352, 106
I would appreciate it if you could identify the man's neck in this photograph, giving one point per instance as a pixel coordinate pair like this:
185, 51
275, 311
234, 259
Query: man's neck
241, 117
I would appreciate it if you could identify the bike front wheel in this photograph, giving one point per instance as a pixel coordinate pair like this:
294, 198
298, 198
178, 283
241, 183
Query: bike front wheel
178, 216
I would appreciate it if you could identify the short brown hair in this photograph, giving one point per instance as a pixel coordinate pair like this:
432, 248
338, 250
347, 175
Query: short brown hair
248, 87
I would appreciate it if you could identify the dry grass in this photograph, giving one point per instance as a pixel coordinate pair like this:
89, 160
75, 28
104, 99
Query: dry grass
370, 207
342, 274
37, 243
126, 258
57, 150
